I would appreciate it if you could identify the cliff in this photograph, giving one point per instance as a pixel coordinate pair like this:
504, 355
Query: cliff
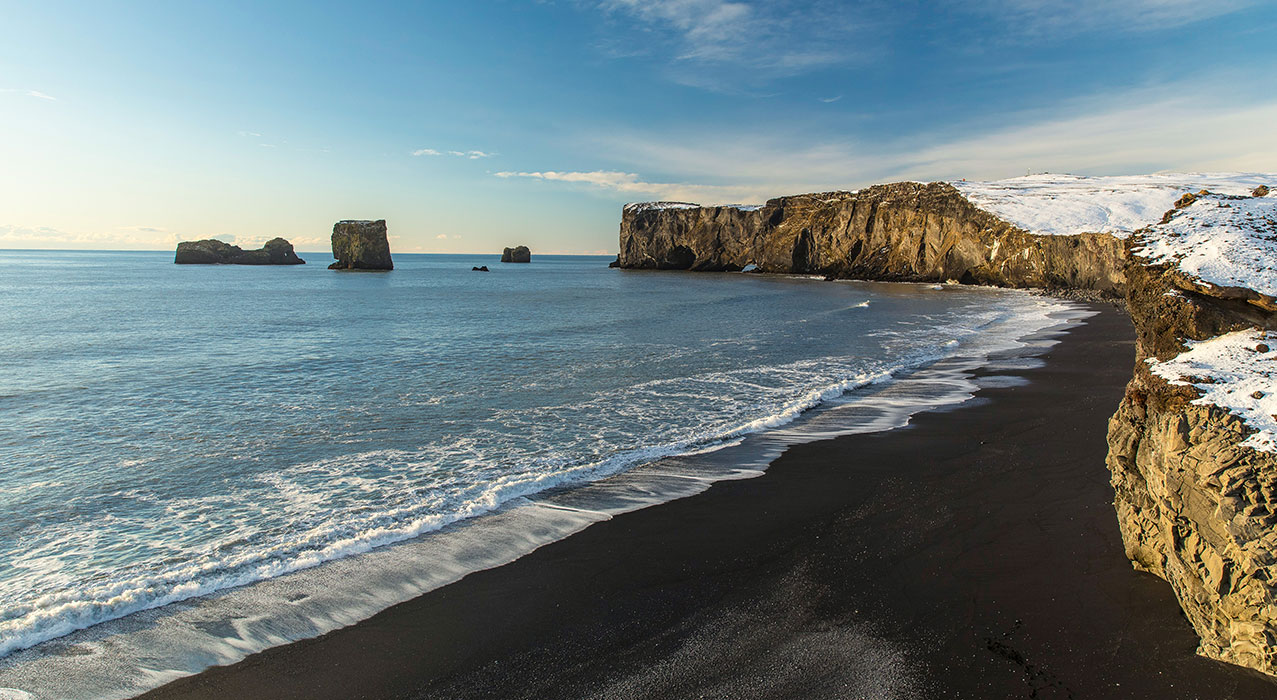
1191, 447
361, 245
1193, 444
905, 231
276, 251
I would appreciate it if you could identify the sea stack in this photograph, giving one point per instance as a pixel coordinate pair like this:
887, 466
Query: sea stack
517, 254
276, 251
361, 245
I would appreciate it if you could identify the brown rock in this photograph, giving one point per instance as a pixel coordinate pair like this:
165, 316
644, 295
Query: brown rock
361, 245
1261, 191
276, 251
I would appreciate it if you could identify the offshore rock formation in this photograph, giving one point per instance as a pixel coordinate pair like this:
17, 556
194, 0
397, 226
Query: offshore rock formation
1196, 506
361, 245
905, 231
517, 254
276, 251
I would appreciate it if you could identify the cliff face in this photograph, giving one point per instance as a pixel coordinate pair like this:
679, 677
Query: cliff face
903, 232
1196, 505
1193, 444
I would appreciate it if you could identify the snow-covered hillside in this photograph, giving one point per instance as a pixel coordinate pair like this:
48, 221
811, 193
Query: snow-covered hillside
1072, 204
1221, 240
1237, 372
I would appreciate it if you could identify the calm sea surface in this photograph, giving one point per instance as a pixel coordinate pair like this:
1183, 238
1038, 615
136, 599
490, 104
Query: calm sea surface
169, 431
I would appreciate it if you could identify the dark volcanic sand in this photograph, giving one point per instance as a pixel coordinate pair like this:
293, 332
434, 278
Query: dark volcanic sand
974, 554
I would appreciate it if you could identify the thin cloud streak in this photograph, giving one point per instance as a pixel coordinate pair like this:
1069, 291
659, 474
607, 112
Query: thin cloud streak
31, 93
1168, 134
469, 155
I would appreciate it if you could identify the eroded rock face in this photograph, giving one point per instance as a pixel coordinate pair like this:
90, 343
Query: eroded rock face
517, 254
900, 232
276, 251
361, 245
1195, 506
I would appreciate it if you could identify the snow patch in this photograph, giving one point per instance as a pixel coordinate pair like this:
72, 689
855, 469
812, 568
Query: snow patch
1062, 205
1230, 373
1223, 241
635, 207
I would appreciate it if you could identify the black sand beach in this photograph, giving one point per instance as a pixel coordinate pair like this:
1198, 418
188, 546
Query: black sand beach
974, 554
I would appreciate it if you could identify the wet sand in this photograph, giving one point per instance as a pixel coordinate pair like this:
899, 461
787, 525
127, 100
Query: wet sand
973, 554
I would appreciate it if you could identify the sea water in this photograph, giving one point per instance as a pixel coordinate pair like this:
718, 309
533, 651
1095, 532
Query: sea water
200, 462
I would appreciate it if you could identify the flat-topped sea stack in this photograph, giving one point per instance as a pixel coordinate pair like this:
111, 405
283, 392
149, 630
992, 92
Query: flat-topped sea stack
276, 251
361, 245
517, 254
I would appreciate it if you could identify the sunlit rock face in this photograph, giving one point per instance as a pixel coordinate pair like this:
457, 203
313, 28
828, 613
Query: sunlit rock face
361, 245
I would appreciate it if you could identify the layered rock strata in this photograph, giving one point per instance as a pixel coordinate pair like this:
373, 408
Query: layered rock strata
361, 245
905, 231
276, 251
1196, 498
1193, 444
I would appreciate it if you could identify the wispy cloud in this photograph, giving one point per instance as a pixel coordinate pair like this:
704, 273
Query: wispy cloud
470, 155
726, 45
633, 184
1052, 18
1141, 132
31, 93
829, 100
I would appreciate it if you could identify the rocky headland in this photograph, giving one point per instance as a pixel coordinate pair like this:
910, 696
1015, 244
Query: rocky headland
1193, 445
361, 245
517, 254
276, 251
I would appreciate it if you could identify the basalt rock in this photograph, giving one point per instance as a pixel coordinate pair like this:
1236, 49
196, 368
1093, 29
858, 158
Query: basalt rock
1195, 506
517, 254
905, 231
361, 245
276, 251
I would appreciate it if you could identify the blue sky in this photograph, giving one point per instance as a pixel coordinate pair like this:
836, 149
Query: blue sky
472, 126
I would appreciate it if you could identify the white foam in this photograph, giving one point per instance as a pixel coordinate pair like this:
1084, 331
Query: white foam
205, 623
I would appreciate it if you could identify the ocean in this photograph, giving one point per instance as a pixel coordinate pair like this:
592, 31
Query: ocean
200, 462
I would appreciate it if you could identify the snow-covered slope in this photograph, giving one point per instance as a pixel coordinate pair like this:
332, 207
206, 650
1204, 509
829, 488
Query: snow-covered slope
1222, 241
1072, 204
1237, 372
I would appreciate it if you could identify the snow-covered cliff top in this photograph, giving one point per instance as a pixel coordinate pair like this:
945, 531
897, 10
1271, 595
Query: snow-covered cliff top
1223, 241
1237, 372
634, 207
1072, 204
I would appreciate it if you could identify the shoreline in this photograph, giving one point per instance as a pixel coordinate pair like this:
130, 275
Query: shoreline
971, 554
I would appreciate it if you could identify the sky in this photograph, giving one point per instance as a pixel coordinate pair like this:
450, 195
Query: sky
471, 126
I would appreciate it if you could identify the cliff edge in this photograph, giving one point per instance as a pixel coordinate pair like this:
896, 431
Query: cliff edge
906, 231
1193, 444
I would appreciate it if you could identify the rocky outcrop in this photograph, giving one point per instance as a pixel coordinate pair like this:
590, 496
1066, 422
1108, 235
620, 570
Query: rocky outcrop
517, 254
905, 231
1196, 506
361, 245
1196, 500
276, 251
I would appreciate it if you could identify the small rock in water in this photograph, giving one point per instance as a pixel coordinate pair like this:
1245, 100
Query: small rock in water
483, 268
